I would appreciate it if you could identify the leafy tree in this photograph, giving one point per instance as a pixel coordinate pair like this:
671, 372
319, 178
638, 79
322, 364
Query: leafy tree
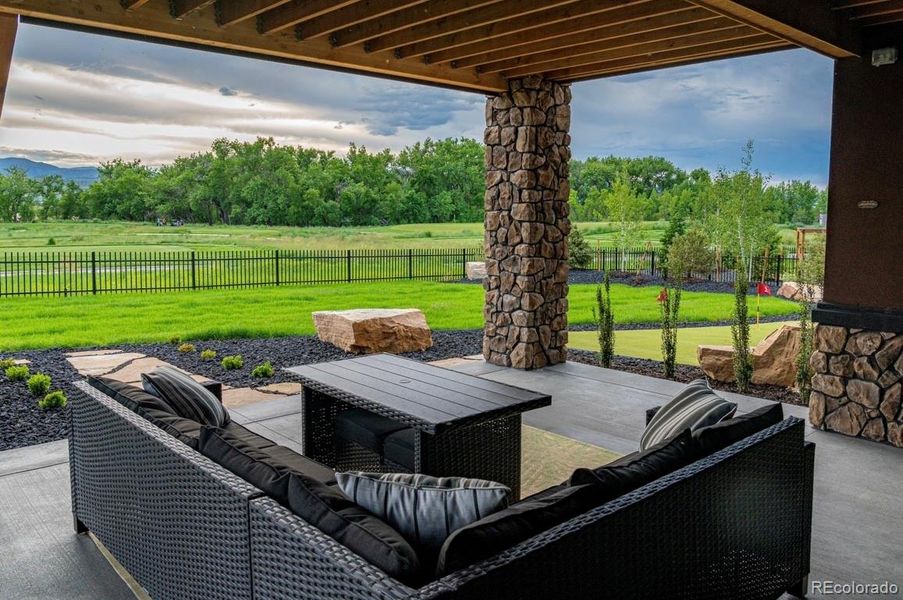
122, 191
743, 367
626, 210
741, 220
18, 195
669, 300
690, 253
50, 189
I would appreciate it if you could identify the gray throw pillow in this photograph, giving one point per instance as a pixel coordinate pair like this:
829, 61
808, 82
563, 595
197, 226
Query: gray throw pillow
696, 406
424, 509
187, 397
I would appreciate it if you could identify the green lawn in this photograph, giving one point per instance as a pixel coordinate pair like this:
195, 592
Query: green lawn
54, 322
69, 236
647, 343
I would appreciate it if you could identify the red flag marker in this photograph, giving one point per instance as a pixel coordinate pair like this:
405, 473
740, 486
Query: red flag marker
662, 296
762, 289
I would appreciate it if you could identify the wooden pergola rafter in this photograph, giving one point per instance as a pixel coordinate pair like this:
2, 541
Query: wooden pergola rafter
478, 44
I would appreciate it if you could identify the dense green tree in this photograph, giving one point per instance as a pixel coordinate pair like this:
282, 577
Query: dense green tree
18, 195
123, 191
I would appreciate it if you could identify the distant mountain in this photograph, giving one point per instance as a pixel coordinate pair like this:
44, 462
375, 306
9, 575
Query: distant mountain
84, 176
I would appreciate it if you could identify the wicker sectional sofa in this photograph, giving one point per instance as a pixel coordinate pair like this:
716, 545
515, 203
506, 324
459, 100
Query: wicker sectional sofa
735, 524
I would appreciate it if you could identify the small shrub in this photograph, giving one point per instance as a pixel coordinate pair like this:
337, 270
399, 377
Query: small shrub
6, 363
669, 298
690, 253
187, 348
175, 340
605, 323
55, 399
230, 363
51, 242
803, 369
263, 371
580, 255
18, 373
39, 384
740, 332
208, 354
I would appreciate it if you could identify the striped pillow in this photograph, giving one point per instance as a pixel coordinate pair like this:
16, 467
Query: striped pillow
696, 406
424, 509
187, 397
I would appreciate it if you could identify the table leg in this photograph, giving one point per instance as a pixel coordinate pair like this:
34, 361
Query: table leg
489, 450
318, 417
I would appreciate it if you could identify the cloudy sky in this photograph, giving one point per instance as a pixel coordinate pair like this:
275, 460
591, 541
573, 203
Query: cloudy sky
77, 99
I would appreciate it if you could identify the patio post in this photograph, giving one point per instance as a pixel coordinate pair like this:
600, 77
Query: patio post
858, 362
527, 152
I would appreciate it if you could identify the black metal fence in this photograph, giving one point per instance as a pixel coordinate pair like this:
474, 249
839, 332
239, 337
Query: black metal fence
78, 273
75, 273
648, 263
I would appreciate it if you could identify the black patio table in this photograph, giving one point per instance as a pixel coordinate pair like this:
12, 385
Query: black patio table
463, 425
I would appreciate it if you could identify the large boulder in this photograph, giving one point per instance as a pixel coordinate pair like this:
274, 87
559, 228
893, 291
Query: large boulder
717, 362
475, 270
370, 330
793, 290
773, 359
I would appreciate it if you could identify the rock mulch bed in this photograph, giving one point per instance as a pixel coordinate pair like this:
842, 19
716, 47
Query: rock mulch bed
22, 423
684, 374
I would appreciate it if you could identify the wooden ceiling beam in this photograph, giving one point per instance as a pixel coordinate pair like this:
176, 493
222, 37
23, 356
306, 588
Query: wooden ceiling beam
404, 19
133, 4
881, 20
642, 67
295, 12
670, 58
8, 26
847, 4
875, 10
359, 12
521, 35
807, 23
181, 8
684, 44
590, 42
230, 12
494, 13
153, 21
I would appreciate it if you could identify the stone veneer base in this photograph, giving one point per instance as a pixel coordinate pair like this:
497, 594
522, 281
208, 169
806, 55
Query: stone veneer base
856, 387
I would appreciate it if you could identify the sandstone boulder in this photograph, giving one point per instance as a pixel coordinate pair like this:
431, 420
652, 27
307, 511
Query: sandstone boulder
793, 290
774, 359
370, 330
475, 270
717, 362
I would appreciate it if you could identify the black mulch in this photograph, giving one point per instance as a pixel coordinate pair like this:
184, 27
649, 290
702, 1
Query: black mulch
684, 374
22, 423
587, 276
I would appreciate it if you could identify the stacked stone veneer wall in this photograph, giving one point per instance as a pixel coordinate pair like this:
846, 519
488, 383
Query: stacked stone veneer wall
527, 155
857, 383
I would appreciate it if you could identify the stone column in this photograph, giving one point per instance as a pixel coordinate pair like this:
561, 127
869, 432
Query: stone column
527, 167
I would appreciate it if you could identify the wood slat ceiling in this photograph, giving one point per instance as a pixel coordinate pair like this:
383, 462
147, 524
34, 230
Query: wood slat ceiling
470, 44
869, 13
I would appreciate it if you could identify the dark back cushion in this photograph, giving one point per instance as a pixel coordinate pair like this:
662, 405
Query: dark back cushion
302, 485
187, 397
721, 435
636, 470
521, 521
151, 408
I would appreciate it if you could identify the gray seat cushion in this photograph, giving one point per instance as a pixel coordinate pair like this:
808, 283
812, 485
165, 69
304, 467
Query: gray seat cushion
696, 406
425, 509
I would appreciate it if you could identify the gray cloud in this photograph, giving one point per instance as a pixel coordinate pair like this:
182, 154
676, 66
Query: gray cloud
227, 91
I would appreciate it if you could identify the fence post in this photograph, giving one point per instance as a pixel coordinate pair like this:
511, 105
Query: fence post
94, 273
652, 266
464, 263
277, 267
348, 264
194, 281
410, 263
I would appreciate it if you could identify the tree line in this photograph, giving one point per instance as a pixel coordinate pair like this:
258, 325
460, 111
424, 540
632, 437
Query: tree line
264, 183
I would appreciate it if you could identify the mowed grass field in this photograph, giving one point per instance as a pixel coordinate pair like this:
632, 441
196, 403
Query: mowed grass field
86, 236
647, 343
105, 320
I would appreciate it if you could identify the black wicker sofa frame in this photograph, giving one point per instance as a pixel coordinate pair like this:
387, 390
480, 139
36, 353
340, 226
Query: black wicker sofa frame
733, 525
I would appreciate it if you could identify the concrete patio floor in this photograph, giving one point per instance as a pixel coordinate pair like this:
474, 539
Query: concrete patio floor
857, 516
